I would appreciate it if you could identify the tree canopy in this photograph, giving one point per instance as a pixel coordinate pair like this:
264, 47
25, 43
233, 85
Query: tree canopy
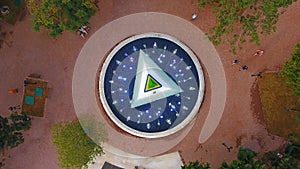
60, 15
287, 159
239, 21
75, 148
291, 71
11, 130
247, 159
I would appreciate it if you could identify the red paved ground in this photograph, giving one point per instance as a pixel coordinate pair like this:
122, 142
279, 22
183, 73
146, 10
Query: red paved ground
241, 125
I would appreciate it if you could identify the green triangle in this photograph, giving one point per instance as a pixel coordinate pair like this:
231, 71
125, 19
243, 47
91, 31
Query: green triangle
151, 83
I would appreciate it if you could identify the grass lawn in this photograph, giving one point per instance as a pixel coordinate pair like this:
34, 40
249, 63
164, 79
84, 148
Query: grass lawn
281, 107
16, 10
34, 97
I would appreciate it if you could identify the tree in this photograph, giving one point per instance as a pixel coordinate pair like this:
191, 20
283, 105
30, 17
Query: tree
75, 148
246, 155
245, 161
243, 20
196, 165
60, 15
272, 160
291, 71
11, 130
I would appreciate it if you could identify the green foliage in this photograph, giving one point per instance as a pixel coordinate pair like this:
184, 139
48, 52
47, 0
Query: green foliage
298, 120
20, 121
75, 148
243, 20
246, 155
272, 160
291, 71
11, 130
245, 161
196, 165
60, 15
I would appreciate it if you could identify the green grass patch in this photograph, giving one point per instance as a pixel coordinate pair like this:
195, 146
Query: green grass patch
281, 107
16, 9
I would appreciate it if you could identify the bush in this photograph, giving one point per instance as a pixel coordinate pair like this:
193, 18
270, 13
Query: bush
75, 148
291, 71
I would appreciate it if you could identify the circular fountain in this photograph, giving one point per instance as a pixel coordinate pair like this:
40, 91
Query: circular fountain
151, 85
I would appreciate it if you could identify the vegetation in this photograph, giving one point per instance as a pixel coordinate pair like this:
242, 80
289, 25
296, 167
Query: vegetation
196, 165
279, 105
288, 158
75, 148
247, 159
60, 15
11, 130
272, 160
239, 21
291, 71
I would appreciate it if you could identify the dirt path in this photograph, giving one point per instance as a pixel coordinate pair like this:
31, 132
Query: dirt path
31, 52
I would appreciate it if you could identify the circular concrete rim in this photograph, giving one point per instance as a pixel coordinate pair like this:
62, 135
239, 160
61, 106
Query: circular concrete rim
178, 127
86, 69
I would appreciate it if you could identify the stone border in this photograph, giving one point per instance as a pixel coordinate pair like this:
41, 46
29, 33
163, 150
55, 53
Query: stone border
84, 85
178, 127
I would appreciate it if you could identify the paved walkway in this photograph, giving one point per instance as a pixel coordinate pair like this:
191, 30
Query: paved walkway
241, 123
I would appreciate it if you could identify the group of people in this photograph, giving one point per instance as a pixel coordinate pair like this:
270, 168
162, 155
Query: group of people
14, 108
245, 67
83, 30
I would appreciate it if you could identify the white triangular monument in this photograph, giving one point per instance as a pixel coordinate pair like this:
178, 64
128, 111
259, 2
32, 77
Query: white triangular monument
151, 82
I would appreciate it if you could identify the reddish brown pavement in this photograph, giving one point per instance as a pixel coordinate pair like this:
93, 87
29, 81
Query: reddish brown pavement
54, 59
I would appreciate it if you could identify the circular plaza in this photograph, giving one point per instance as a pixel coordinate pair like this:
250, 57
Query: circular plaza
146, 83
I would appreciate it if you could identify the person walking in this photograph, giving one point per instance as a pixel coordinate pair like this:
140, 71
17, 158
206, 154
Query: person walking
235, 62
83, 30
259, 53
194, 16
244, 67
227, 147
259, 74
